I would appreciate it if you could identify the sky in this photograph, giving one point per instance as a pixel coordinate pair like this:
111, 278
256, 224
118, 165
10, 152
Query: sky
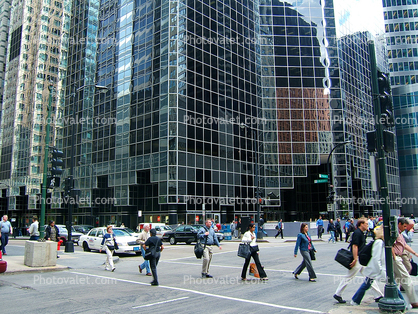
359, 15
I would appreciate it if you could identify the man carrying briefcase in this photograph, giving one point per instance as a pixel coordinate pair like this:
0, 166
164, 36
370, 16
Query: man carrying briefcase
357, 244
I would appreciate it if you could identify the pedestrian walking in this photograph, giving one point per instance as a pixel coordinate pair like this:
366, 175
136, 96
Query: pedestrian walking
348, 228
304, 244
374, 269
232, 226
251, 238
399, 270
357, 243
6, 230
320, 227
156, 246
261, 224
109, 243
331, 231
206, 233
142, 238
238, 229
52, 233
279, 227
34, 229
338, 232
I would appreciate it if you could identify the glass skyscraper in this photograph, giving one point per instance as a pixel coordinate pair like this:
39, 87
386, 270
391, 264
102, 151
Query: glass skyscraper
193, 85
401, 29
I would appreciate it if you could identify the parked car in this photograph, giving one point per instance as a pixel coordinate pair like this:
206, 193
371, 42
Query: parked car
63, 232
84, 229
185, 233
126, 242
161, 230
220, 235
75, 236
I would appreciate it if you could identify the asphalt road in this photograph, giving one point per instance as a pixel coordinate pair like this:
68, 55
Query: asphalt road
88, 288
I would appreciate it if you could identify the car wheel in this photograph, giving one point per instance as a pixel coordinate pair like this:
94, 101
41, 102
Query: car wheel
189, 242
86, 247
173, 240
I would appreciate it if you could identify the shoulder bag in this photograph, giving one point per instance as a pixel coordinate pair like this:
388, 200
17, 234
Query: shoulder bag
150, 253
199, 249
244, 250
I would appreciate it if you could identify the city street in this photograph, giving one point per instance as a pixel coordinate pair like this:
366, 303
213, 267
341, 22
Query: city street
88, 288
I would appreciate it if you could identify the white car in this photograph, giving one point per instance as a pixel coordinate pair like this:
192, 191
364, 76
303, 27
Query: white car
161, 230
126, 242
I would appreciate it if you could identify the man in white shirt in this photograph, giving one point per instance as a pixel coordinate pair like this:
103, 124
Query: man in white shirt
142, 238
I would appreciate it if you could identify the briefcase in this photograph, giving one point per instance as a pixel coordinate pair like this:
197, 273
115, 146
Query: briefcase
414, 270
344, 257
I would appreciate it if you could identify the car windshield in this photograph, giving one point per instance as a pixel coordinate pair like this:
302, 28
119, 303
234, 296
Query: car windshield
121, 233
129, 230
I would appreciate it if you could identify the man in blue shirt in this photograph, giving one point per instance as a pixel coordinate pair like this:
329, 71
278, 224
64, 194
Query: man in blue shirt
207, 234
320, 226
6, 230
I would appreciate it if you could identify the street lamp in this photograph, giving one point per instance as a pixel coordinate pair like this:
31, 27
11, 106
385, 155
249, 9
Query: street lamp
69, 244
331, 191
257, 183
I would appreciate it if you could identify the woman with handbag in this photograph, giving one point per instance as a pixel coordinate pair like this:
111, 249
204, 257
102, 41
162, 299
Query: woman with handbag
109, 242
250, 238
307, 250
155, 246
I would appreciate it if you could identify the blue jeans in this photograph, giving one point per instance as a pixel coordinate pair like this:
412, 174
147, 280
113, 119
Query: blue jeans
145, 264
332, 233
358, 296
4, 241
34, 238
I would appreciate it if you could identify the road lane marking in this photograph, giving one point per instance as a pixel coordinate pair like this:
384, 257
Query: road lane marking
158, 303
207, 294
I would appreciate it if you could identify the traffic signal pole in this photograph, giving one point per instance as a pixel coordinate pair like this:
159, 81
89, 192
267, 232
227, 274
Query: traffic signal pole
46, 154
391, 301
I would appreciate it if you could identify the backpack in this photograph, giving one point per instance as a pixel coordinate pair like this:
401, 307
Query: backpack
365, 254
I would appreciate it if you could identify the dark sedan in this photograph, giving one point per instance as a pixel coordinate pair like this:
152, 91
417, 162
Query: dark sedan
184, 233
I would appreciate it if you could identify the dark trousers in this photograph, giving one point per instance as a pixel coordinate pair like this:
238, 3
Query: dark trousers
260, 269
280, 231
4, 241
153, 262
347, 235
338, 234
320, 231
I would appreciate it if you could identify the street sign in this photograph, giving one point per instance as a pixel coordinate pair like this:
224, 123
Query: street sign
323, 176
321, 181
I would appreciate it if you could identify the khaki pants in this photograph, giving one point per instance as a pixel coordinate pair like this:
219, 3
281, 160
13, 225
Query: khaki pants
402, 277
406, 260
207, 257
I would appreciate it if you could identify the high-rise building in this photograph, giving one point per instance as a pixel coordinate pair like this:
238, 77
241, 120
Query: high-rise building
35, 60
401, 29
204, 98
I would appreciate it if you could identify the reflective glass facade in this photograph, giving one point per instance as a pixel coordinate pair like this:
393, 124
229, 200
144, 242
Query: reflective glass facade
401, 30
184, 75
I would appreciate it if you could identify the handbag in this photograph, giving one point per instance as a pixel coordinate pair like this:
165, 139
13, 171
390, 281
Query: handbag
414, 270
344, 257
254, 248
111, 247
312, 254
244, 250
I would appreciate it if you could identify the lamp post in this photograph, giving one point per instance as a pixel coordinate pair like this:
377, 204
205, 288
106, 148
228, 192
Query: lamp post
69, 245
330, 178
257, 182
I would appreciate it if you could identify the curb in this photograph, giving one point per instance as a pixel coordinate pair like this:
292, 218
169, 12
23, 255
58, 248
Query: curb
36, 270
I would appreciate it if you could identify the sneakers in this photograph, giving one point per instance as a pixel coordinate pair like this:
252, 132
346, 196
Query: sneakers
354, 303
339, 299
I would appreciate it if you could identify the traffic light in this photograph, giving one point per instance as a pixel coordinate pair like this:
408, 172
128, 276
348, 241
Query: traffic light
331, 195
68, 185
386, 111
56, 162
